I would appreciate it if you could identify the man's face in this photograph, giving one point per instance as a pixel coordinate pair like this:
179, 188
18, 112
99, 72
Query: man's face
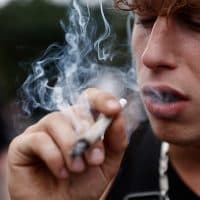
167, 54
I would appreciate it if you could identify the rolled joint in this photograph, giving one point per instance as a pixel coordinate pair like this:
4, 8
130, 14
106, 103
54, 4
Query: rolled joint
81, 146
96, 132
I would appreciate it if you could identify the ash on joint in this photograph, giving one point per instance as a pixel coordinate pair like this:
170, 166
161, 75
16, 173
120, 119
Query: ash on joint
79, 148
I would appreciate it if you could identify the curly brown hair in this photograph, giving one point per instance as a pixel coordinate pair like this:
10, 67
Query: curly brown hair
162, 7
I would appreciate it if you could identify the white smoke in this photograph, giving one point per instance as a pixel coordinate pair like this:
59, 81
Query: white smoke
4, 3
86, 2
84, 61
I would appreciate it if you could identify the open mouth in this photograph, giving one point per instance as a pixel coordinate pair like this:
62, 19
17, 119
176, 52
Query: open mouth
163, 96
164, 102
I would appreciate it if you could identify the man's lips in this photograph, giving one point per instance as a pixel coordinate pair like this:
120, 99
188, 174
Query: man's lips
164, 101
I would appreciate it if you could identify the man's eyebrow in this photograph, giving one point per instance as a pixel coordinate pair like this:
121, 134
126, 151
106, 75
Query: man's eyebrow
193, 4
190, 9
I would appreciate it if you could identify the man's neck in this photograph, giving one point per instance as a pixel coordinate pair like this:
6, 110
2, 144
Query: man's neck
186, 161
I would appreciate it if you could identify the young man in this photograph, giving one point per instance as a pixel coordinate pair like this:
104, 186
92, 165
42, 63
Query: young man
166, 44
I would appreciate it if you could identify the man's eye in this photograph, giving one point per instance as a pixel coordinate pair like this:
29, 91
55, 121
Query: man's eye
194, 24
146, 22
191, 22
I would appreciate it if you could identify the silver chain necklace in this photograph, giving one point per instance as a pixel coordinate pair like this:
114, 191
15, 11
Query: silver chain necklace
163, 178
163, 167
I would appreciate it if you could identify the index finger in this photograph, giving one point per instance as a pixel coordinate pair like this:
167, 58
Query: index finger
101, 101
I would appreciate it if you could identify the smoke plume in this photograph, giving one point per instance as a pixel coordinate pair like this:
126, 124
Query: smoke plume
85, 60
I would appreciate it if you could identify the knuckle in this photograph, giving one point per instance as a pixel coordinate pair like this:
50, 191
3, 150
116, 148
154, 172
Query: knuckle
52, 117
48, 123
15, 147
46, 148
54, 158
66, 146
30, 129
38, 138
14, 143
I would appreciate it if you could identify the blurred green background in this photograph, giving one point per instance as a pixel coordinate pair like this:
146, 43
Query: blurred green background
27, 28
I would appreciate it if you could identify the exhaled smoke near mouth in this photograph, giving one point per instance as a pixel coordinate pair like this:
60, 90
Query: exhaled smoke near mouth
84, 61
163, 96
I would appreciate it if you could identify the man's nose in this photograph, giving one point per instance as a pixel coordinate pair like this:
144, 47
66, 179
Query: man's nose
161, 46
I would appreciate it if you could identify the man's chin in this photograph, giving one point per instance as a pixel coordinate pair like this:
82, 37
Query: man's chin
165, 131
174, 134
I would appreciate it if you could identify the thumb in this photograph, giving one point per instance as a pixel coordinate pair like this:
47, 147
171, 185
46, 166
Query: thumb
115, 143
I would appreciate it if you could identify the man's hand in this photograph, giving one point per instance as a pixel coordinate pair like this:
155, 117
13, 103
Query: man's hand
40, 166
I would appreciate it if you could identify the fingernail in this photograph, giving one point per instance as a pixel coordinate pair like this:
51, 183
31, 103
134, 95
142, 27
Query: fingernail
63, 173
78, 164
111, 104
97, 156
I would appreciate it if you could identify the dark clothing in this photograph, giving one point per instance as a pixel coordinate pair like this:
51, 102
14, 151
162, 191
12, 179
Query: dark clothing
4, 141
178, 189
139, 171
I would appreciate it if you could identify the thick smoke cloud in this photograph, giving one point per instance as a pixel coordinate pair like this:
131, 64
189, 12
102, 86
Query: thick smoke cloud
85, 60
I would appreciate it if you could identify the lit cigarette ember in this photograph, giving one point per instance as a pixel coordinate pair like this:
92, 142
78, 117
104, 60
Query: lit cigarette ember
94, 133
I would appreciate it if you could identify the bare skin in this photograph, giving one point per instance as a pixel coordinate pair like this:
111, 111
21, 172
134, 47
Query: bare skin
40, 166
167, 56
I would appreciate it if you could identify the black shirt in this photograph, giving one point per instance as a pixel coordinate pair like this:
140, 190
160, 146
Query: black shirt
139, 171
177, 188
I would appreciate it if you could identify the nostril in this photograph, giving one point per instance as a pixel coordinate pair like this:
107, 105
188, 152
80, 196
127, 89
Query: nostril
150, 58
